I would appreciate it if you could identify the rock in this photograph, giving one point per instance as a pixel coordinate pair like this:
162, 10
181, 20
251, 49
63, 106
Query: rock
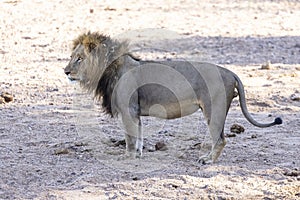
6, 97
295, 97
267, 65
117, 143
135, 178
163, 132
294, 173
61, 151
160, 146
197, 145
235, 128
253, 136
109, 9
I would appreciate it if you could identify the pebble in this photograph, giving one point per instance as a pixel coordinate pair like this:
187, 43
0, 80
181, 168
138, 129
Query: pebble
163, 132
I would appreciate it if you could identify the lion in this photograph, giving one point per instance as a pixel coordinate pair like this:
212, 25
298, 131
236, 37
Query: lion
132, 88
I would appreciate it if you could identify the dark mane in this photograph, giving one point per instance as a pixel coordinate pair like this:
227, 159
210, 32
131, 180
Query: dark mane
106, 86
108, 82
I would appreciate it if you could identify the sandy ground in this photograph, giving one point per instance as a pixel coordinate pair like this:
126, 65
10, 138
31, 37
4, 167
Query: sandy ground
55, 143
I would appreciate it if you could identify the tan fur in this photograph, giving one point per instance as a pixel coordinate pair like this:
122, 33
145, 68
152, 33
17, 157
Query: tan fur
165, 89
89, 40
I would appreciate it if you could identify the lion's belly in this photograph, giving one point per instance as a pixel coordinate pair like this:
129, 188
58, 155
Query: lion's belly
159, 101
169, 110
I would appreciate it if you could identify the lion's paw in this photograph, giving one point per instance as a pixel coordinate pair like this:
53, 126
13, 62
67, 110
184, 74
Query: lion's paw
131, 154
204, 160
139, 154
134, 154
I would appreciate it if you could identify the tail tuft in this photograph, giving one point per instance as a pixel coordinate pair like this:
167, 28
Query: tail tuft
278, 120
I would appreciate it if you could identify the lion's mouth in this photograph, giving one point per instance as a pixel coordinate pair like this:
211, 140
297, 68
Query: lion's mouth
72, 78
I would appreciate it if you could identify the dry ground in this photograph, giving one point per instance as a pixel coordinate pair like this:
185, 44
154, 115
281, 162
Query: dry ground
56, 144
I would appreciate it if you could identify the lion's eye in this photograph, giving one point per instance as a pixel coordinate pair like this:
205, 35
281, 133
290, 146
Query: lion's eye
79, 59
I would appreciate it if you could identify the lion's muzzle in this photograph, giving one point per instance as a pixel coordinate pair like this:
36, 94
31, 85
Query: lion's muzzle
67, 71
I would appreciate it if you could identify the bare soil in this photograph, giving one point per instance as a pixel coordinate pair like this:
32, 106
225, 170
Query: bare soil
56, 143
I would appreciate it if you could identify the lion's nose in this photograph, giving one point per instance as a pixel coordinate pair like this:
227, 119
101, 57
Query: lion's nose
67, 72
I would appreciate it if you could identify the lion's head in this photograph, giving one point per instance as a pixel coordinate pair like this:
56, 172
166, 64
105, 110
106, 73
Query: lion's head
95, 61
92, 54
83, 47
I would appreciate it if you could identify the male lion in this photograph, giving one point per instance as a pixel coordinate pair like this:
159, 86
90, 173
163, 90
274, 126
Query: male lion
165, 89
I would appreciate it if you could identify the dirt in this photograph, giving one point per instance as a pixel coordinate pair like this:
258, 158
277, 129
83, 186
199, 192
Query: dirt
56, 143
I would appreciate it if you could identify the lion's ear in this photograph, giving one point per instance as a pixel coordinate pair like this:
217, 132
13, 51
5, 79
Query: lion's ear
90, 43
89, 46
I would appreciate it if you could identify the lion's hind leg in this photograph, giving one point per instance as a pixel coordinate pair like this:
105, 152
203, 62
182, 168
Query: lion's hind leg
133, 137
216, 150
216, 122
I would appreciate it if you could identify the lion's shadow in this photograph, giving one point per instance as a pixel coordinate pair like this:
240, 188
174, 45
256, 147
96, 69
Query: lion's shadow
224, 50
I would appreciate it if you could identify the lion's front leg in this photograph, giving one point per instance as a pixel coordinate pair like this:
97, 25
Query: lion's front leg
133, 137
140, 140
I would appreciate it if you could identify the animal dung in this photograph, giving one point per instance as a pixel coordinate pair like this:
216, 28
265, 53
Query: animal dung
230, 135
235, 128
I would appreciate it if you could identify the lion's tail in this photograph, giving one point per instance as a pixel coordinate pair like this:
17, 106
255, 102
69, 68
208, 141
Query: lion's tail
247, 115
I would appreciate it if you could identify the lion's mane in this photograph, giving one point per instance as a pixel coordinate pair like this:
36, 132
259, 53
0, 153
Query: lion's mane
102, 65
